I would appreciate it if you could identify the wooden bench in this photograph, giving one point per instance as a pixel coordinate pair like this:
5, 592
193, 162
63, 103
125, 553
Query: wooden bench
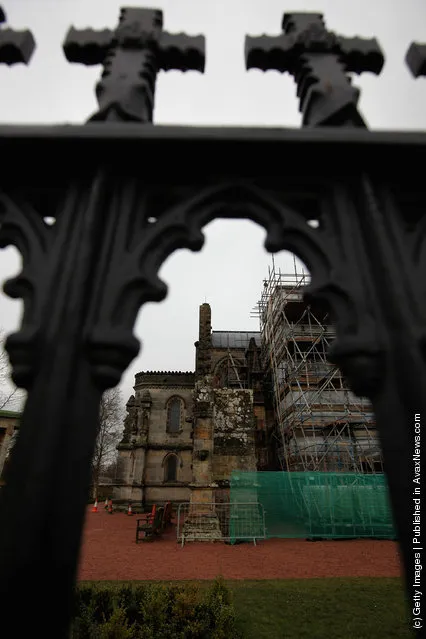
150, 516
149, 521
168, 509
150, 526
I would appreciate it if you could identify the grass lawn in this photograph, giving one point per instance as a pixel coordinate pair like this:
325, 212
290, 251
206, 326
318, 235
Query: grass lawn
334, 608
338, 608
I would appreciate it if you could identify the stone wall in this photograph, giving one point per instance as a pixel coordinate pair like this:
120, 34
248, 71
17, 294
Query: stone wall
160, 494
220, 355
146, 442
156, 489
233, 440
158, 419
202, 458
166, 379
260, 416
216, 436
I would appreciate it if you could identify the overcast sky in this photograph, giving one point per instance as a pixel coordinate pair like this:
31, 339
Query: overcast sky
228, 272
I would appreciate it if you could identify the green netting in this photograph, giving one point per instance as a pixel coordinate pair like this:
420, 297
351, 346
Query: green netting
246, 522
318, 505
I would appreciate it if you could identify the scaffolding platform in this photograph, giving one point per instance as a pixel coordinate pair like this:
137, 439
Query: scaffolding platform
321, 425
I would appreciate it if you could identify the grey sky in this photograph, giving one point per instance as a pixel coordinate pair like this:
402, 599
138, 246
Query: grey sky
228, 272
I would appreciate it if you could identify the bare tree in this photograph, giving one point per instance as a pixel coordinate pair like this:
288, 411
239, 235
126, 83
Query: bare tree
110, 471
109, 434
11, 397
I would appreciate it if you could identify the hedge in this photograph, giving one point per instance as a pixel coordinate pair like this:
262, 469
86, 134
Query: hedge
154, 611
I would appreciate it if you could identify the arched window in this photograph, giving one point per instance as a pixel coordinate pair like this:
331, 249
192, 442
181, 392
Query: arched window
174, 415
170, 468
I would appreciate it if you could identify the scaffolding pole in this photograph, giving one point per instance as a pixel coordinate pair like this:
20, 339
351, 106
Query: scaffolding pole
321, 424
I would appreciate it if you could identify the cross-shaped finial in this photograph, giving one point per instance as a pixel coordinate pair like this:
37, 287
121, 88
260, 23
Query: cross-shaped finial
416, 59
15, 46
132, 55
319, 61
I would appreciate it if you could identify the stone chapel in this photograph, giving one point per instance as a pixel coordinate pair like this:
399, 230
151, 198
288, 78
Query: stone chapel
185, 432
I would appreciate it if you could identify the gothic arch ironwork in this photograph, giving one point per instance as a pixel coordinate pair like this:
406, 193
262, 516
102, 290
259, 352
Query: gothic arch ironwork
85, 277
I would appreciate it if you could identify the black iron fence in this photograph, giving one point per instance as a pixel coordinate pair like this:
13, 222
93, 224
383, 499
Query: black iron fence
85, 277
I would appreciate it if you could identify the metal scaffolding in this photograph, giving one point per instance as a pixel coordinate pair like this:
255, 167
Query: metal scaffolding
321, 424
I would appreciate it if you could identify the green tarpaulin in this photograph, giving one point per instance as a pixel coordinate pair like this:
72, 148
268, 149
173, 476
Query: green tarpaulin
317, 505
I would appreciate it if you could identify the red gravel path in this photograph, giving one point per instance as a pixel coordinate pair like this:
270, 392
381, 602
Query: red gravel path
109, 552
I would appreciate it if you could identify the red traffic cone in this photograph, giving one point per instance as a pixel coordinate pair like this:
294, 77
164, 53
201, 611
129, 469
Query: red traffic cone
151, 515
110, 506
95, 507
129, 509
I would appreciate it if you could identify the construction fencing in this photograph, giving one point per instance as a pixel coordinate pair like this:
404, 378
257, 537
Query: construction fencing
315, 505
221, 521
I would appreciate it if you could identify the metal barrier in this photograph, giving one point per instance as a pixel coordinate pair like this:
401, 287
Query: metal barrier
219, 521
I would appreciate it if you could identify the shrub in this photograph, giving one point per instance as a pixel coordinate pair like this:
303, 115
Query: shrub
154, 611
117, 626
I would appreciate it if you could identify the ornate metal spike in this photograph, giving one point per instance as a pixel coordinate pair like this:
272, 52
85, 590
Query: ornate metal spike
416, 59
15, 46
319, 60
131, 56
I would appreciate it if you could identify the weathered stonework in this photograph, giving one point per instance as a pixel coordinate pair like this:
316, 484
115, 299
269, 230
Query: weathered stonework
234, 436
202, 522
146, 442
202, 456
221, 411
223, 442
202, 526
203, 346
